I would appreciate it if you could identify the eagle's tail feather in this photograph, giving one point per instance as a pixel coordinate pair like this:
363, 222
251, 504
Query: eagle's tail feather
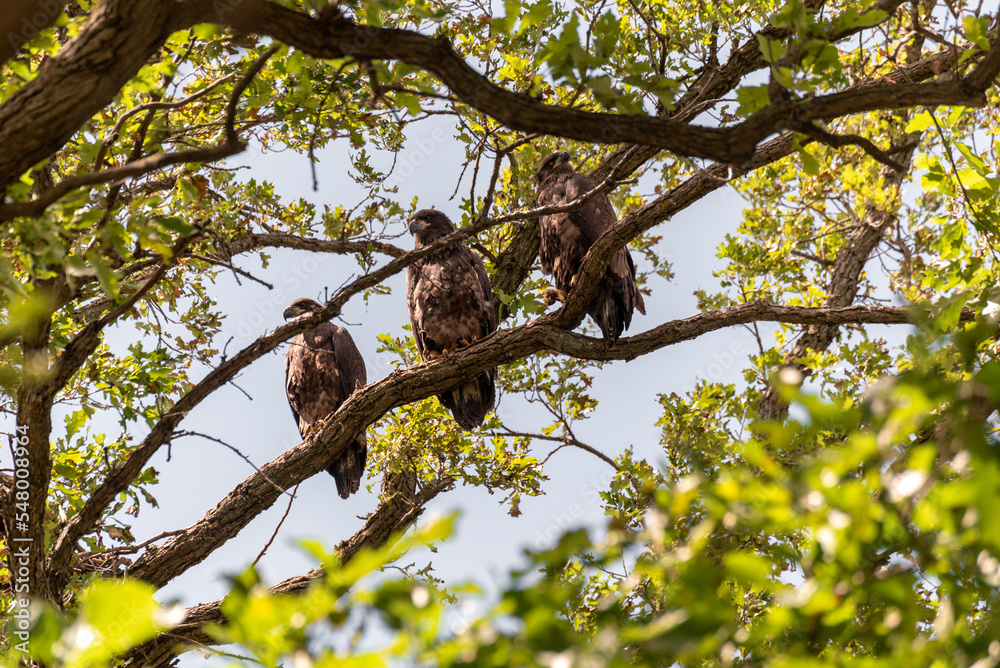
614, 314
348, 470
470, 403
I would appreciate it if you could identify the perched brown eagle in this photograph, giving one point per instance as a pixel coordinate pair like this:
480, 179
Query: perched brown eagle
322, 368
451, 305
566, 238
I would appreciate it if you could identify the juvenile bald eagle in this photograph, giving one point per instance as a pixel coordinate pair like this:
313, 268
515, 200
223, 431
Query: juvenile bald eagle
451, 305
566, 238
322, 368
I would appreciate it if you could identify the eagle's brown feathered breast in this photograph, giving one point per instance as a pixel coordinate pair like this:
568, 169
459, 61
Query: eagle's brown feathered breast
322, 368
566, 237
450, 301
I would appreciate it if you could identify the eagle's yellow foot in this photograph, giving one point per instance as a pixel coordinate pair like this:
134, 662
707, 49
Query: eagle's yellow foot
553, 295
314, 427
572, 281
434, 355
465, 343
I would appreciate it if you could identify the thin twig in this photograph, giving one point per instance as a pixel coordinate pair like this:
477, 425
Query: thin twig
151, 106
130, 549
811, 256
255, 68
280, 522
839, 141
562, 208
153, 279
565, 440
232, 267
182, 434
954, 167
37, 206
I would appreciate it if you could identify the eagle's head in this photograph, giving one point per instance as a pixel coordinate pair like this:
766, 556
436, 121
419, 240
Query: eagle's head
302, 306
553, 163
429, 224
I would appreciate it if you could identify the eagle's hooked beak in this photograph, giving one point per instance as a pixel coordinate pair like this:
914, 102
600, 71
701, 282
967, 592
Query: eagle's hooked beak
563, 158
291, 312
416, 224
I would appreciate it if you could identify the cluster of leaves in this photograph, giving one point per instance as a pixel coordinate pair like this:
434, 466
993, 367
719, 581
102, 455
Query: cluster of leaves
110, 618
423, 437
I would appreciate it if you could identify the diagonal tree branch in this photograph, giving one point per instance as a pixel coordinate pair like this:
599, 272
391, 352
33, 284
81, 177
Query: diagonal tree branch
390, 518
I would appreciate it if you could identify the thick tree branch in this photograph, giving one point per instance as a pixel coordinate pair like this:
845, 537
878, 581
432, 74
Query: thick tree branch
340, 246
340, 37
714, 83
141, 32
83, 78
392, 516
676, 331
